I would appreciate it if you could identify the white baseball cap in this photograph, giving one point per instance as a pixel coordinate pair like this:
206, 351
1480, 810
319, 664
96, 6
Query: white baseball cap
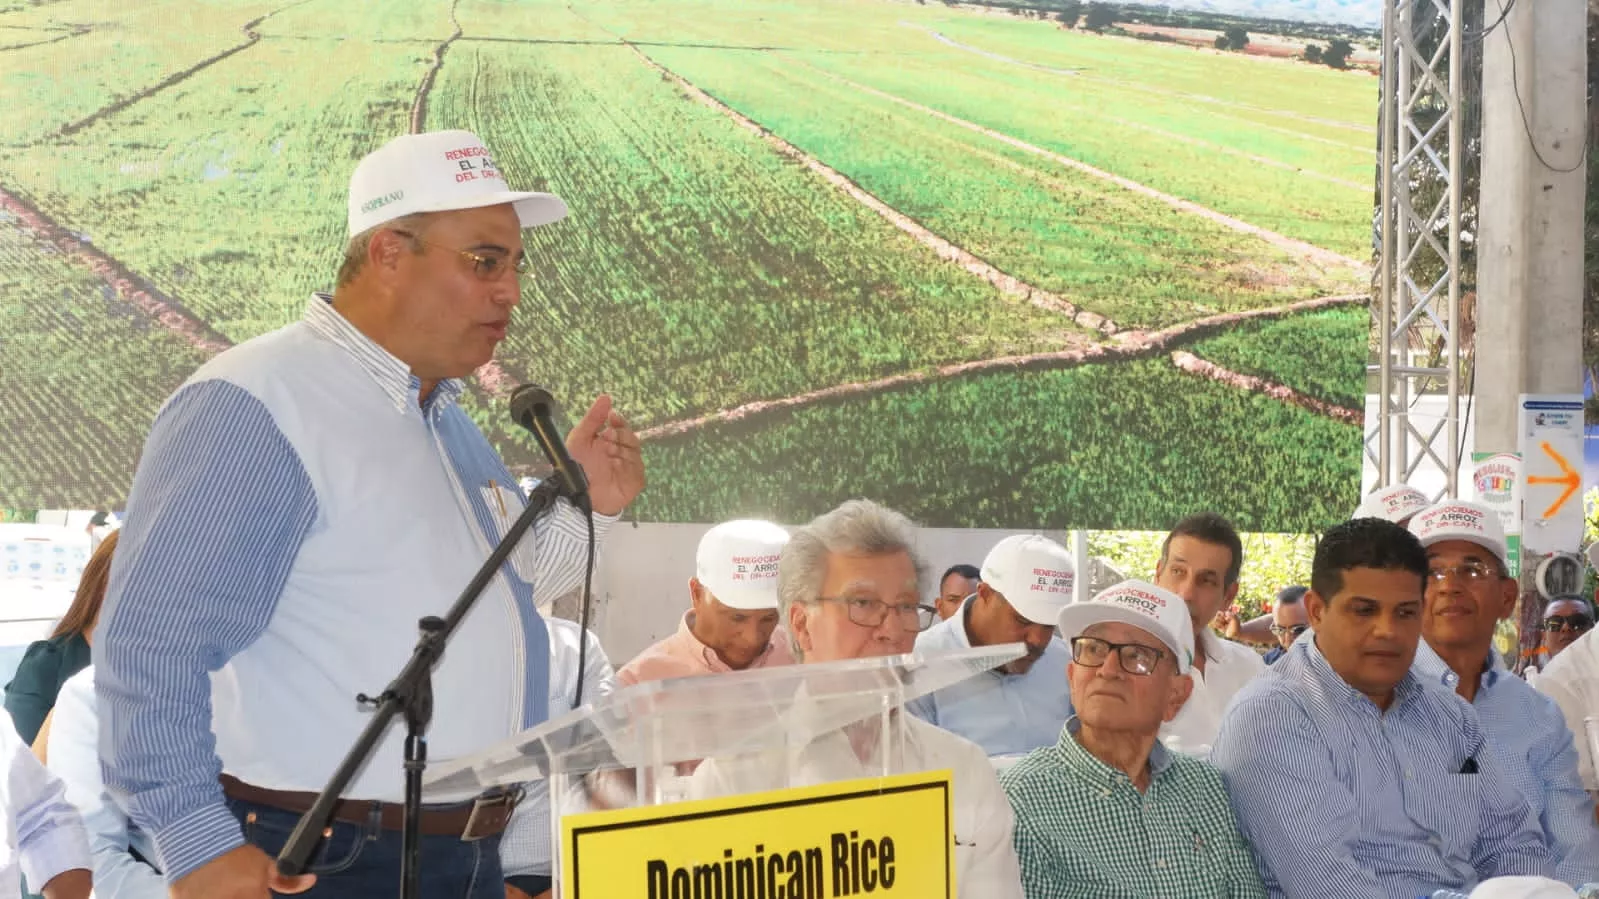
1143, 605
1522, 888
737, 562
1033, 573
438, 171
1394, 504
1458, 519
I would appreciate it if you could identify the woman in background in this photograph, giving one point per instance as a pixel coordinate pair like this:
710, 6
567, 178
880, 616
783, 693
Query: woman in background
48, 663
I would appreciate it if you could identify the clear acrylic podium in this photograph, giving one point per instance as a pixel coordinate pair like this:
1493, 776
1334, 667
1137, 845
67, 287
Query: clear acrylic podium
639, 746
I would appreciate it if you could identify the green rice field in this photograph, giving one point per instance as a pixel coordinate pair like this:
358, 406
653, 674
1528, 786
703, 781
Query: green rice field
796, 200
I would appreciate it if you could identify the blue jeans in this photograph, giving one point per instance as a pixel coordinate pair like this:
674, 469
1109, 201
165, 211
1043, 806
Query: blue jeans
362, 861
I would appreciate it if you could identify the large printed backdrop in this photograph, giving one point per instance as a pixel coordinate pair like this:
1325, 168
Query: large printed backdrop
986, 269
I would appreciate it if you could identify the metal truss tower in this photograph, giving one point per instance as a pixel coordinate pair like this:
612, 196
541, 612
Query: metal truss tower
1417, 282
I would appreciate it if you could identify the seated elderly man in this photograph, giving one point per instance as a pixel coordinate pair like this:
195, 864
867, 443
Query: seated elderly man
732, 622
1108, 812
1468, 592
1385, 783
1025, 581
850, 585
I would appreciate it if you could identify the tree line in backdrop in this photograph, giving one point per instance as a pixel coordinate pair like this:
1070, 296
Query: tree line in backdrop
1102, 18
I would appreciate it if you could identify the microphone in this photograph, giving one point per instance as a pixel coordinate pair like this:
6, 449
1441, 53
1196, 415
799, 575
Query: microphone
533, 408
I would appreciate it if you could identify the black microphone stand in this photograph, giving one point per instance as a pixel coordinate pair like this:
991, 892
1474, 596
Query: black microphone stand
411, 692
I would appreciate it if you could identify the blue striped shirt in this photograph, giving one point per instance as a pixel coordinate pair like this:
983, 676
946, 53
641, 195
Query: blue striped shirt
527, 847
1006, 714
1526, 731
296, 510
1344, 801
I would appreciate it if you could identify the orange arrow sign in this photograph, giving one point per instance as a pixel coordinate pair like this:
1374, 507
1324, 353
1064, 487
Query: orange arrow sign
1569, 479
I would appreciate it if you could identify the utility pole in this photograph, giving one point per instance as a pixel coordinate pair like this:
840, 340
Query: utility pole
1530, 256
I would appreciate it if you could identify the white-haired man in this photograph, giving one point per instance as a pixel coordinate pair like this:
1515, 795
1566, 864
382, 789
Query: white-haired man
850, 585
1108, 810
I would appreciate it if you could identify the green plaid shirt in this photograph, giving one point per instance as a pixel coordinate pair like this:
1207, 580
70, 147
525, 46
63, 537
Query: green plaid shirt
1083, 830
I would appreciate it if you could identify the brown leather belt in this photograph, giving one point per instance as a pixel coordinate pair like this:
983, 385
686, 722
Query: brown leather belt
485, 817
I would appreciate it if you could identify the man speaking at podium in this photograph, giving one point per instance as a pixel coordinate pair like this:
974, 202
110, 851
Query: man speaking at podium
302, 500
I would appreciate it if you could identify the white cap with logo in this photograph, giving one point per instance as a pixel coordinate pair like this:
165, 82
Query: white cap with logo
1034, 574
1143, 605
438, 171
1458, 519
1394, 504
737, 562
1522, 887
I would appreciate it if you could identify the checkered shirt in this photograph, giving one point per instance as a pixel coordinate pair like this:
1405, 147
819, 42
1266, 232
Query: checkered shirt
1083, 831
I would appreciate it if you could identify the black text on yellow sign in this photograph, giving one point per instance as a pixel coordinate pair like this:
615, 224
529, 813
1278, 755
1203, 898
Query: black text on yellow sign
888, 837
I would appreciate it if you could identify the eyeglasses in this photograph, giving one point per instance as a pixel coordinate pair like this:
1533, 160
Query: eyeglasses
1136, 658
868, 612
1573, 623
1470, 572
489, 266
1295, 631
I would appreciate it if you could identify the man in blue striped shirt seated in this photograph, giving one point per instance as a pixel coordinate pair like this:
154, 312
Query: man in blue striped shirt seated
1468, 591
1384, 782
302, 500
1025, 581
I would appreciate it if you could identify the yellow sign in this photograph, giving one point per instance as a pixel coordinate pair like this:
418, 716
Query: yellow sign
889, 837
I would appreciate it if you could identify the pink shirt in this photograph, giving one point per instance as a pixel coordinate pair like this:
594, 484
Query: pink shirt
683, 655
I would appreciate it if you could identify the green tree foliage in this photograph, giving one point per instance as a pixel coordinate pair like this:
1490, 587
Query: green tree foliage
1313, 53
1100, 17
1337, 53
1070, 12
1234, 38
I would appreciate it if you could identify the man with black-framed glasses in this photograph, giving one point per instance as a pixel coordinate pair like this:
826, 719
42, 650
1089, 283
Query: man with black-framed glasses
1469, 591
1288, 620
1107, 810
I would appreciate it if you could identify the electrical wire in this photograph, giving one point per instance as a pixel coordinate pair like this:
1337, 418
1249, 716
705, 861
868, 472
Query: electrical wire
1526, 124
1483, 34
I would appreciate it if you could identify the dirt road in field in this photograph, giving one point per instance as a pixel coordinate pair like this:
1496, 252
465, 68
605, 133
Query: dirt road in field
1005, 282
1126, 346
251, 38
130, 288
1188, 362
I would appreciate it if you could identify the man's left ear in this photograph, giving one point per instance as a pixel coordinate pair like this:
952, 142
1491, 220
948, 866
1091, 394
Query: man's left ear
1181, 689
